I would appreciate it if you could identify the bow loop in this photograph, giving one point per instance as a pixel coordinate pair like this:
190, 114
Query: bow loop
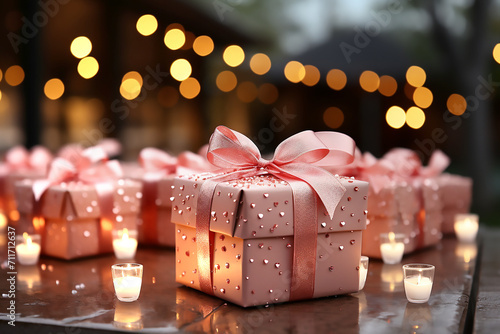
303, 147
230, 149
155, 160
61, 170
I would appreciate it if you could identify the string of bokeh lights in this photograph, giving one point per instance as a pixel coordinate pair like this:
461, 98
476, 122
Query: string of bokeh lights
176, 38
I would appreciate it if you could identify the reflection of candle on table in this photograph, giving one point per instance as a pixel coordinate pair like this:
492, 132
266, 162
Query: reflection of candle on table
392, 247
28, 251
466, 226
126, 246
418, 282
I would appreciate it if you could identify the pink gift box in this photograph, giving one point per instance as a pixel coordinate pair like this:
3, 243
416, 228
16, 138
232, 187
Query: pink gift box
253, 237
74, 222
456, 195
156, 172
20, 164
391, 209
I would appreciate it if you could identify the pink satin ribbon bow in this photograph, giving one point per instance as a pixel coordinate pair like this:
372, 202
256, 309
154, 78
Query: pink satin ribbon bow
92, 168
296, 161
407, 163
19, 158
296, 158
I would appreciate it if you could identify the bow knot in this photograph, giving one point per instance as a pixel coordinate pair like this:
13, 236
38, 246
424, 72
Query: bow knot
263, 163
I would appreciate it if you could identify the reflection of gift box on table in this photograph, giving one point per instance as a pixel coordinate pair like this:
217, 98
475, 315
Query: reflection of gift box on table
391, 209
456, 195
78, 221
252, 227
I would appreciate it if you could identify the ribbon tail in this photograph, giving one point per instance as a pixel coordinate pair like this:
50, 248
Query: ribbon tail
39, 187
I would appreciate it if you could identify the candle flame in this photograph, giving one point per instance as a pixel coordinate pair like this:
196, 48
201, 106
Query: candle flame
27, 239
125, 234
392, 237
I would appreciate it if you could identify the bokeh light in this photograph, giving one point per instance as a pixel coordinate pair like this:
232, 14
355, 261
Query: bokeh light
456, 104
294, 71
168, 96
268, 93
203, 45
190, 37
180, 69
395, 117
14, 75
388, 85
415, 117
174, 39
260, 63
81, 47
415, 75
312, 75
54, 89
226, 81
133, 75
369, 81
190, 88
146, 25
247, 91
1, 75
336, 79
130, 89
496, 53
333, 117
88, 67
233, 55
422, 96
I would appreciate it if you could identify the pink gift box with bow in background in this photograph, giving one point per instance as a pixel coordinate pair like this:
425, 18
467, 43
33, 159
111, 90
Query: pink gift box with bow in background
156, 171
78, 204
262, 232
19, 164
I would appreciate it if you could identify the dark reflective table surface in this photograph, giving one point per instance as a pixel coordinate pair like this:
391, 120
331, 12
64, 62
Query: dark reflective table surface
78, 297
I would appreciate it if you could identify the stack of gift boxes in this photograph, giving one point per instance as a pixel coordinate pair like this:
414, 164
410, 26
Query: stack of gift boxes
245, 229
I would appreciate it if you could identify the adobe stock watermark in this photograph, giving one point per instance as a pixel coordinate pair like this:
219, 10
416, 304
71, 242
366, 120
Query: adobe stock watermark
222, 7
31, 26
277, 123
372, 28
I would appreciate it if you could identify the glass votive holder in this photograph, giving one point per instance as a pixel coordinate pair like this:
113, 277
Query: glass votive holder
127, 280
124, 243
392, 247
466, 226
363, 271
28, 248
418, 279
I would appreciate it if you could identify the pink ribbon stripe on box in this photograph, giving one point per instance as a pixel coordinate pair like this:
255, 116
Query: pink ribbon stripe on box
296, 160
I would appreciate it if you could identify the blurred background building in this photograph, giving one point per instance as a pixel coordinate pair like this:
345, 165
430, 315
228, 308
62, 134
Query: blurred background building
390, 73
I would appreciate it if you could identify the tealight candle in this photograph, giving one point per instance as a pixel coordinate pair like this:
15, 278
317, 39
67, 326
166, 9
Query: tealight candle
418, 279
28, 248
125, 243
363, 271
127, 280
466, 227
392, 247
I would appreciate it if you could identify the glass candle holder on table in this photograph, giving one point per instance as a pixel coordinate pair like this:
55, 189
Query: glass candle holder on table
466, 227
418, 280
28, 248
392, 247
127, 280
124, 243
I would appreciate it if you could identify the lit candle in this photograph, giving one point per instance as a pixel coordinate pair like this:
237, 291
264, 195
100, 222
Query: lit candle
392, 247
418, 280
27, 250
466, 227
127, 280
363, 271
124, 245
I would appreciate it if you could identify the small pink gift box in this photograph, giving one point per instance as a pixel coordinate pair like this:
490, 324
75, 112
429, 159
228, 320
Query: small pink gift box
256, 235
76, 208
